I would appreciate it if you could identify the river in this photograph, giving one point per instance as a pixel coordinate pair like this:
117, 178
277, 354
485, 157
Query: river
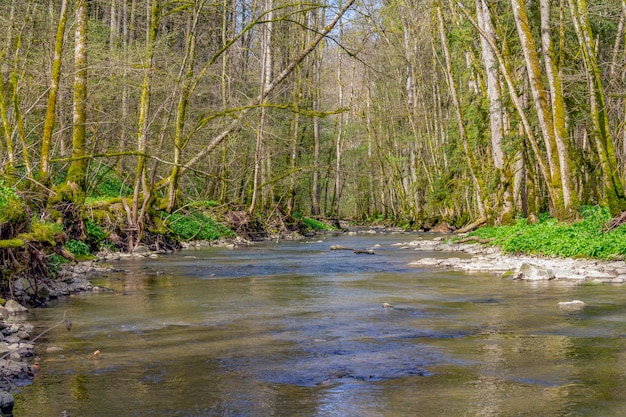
295, 329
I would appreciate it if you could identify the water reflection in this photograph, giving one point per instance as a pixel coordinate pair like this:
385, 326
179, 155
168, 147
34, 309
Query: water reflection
297, 330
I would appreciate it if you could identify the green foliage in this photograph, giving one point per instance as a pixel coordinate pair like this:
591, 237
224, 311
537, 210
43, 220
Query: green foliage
7, 195
12, 208
315, 225
78, 248
584, 238
105, 183
54, 263
195, 226
45, 232
95, 234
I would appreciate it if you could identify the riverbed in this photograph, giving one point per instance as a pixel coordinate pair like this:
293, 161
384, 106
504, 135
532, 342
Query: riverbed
292, 328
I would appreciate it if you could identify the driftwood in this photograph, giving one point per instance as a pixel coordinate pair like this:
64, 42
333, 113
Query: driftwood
339, 247
475, 225
356, 251
475, 239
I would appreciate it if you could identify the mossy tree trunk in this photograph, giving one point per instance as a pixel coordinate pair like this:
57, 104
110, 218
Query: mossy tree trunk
185, 84
541, 104
77, 172
612, 189
136, 212
456, 104
49, 121
7, 128
267, 63
555, 82
496, 108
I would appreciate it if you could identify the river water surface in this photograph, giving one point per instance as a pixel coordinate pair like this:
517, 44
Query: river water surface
294, 329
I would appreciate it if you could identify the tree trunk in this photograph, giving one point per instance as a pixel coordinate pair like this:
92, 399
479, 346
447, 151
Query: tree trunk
496, 108
77, 171
459, 116
553, 74
140, 183
48, 127
185, 80
540, 101
613, 190
267, 62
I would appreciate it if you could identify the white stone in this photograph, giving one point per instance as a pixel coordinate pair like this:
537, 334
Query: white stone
572, 305
14, 307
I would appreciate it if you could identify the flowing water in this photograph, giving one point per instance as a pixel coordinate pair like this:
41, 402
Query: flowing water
294, 329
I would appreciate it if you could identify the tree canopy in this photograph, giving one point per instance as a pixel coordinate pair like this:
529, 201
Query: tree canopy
412, 111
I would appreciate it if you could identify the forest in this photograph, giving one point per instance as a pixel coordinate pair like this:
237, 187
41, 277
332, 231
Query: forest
119, 115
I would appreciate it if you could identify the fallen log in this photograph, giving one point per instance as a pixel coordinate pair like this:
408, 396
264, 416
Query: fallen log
475, 239
472, 226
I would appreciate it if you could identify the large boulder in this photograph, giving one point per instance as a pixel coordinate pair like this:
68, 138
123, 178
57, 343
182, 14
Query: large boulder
13, 307
533, 272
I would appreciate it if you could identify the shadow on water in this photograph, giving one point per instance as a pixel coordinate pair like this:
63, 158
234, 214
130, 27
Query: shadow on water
295, 329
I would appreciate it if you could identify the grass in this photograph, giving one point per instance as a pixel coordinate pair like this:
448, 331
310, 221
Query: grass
585, 238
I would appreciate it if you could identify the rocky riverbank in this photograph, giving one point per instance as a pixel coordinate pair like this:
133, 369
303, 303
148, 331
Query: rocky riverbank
18, 361
479, 258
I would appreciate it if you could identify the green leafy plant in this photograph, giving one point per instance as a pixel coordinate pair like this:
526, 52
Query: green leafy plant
314, 224
105, 183
78, 248
585, 238
95, 234
7, 195
12, 208
54, 263
195, 226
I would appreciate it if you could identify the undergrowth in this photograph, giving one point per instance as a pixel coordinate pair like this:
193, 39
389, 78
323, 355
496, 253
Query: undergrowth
585, 238
195, 226
316, 225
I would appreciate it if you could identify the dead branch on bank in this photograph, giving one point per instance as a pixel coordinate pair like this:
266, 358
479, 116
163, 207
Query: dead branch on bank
615, 222
475, 239
472, 226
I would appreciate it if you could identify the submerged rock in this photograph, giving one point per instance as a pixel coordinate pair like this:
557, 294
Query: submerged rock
572, 305
7, 402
